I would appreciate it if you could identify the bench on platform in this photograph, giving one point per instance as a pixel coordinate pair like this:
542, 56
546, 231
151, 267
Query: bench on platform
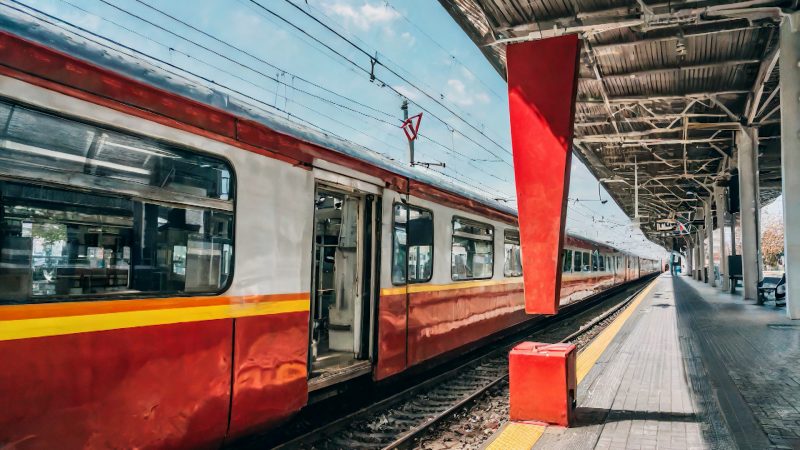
734, 271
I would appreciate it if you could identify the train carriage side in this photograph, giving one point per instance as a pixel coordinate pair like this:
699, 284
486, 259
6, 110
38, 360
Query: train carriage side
451, 277
588, 268
129, 301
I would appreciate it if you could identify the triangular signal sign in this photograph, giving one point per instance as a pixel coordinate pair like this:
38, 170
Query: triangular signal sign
411, 126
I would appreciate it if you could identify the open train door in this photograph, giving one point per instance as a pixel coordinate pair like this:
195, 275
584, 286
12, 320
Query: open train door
343, 280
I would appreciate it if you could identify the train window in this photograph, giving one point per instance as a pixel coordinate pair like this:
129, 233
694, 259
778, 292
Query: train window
566, 264
107, 214
602, 261
578, 263
513, 255
473, 250
62, 151
587, 267
413, 242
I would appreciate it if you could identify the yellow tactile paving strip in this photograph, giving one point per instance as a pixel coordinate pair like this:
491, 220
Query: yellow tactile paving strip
517, 436
522, 436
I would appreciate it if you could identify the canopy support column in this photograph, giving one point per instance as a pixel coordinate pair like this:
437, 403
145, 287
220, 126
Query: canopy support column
790, 158
701, 254
747, 147
710, 278
719, 199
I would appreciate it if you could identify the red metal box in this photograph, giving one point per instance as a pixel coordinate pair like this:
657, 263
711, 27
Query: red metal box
542, 382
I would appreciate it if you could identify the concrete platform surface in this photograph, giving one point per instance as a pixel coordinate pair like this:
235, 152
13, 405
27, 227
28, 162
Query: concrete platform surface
692, 368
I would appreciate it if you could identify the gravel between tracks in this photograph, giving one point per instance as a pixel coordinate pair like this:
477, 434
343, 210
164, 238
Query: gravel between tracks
473, 425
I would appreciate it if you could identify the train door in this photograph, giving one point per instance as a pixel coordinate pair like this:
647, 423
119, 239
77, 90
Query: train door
343, 278
624, 266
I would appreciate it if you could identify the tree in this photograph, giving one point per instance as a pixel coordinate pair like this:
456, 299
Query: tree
772, 242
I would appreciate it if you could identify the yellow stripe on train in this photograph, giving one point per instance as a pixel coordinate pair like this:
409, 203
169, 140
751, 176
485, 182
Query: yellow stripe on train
55, 326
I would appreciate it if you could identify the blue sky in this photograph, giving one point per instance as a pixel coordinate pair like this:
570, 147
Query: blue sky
423, 55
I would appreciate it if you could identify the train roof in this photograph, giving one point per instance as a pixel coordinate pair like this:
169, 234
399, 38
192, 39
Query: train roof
137, 68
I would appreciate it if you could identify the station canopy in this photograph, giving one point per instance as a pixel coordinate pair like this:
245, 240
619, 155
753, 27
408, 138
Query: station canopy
663, 87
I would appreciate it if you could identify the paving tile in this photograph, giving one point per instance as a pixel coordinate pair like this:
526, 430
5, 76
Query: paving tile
643, 386
690, 361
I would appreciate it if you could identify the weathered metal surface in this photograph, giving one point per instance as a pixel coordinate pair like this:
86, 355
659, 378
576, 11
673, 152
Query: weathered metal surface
166, 386
442, 320
269, 373
542, 383
541, 92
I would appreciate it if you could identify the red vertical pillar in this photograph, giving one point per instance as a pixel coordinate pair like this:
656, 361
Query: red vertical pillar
542, 82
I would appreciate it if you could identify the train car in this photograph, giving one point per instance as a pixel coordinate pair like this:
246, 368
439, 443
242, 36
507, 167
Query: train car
177, 271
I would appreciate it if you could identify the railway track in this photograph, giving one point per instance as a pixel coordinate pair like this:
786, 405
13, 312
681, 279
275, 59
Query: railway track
401, 419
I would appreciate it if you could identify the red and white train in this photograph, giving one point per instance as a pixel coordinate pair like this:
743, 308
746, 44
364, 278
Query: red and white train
175, 274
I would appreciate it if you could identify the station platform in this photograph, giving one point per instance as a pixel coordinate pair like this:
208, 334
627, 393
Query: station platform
685, 367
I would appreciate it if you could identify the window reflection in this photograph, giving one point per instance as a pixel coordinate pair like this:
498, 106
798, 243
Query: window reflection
566, 263
512, 266
100, 212
473, 250
412, 253
62, 243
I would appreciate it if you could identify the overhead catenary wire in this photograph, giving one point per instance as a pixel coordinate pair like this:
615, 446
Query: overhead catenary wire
399, 67
135, 52
387, 85
268, 76
392, 71
236, 62
444, 50
160, 61
358, 67
240, 50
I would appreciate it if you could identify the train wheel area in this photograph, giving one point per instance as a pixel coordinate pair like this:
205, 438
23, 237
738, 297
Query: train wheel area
687, 366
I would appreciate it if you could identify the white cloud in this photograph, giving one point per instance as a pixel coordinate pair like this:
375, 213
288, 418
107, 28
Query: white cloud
362, 17
405, 91
408, 38
456, 91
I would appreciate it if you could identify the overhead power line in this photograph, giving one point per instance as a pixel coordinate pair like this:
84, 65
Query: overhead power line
207, 80
238, 63
160, 61
392, 71
444, 50
268, 76
373, 76
385, 59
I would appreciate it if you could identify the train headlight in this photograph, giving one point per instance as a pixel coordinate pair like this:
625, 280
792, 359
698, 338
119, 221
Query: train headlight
781, 289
